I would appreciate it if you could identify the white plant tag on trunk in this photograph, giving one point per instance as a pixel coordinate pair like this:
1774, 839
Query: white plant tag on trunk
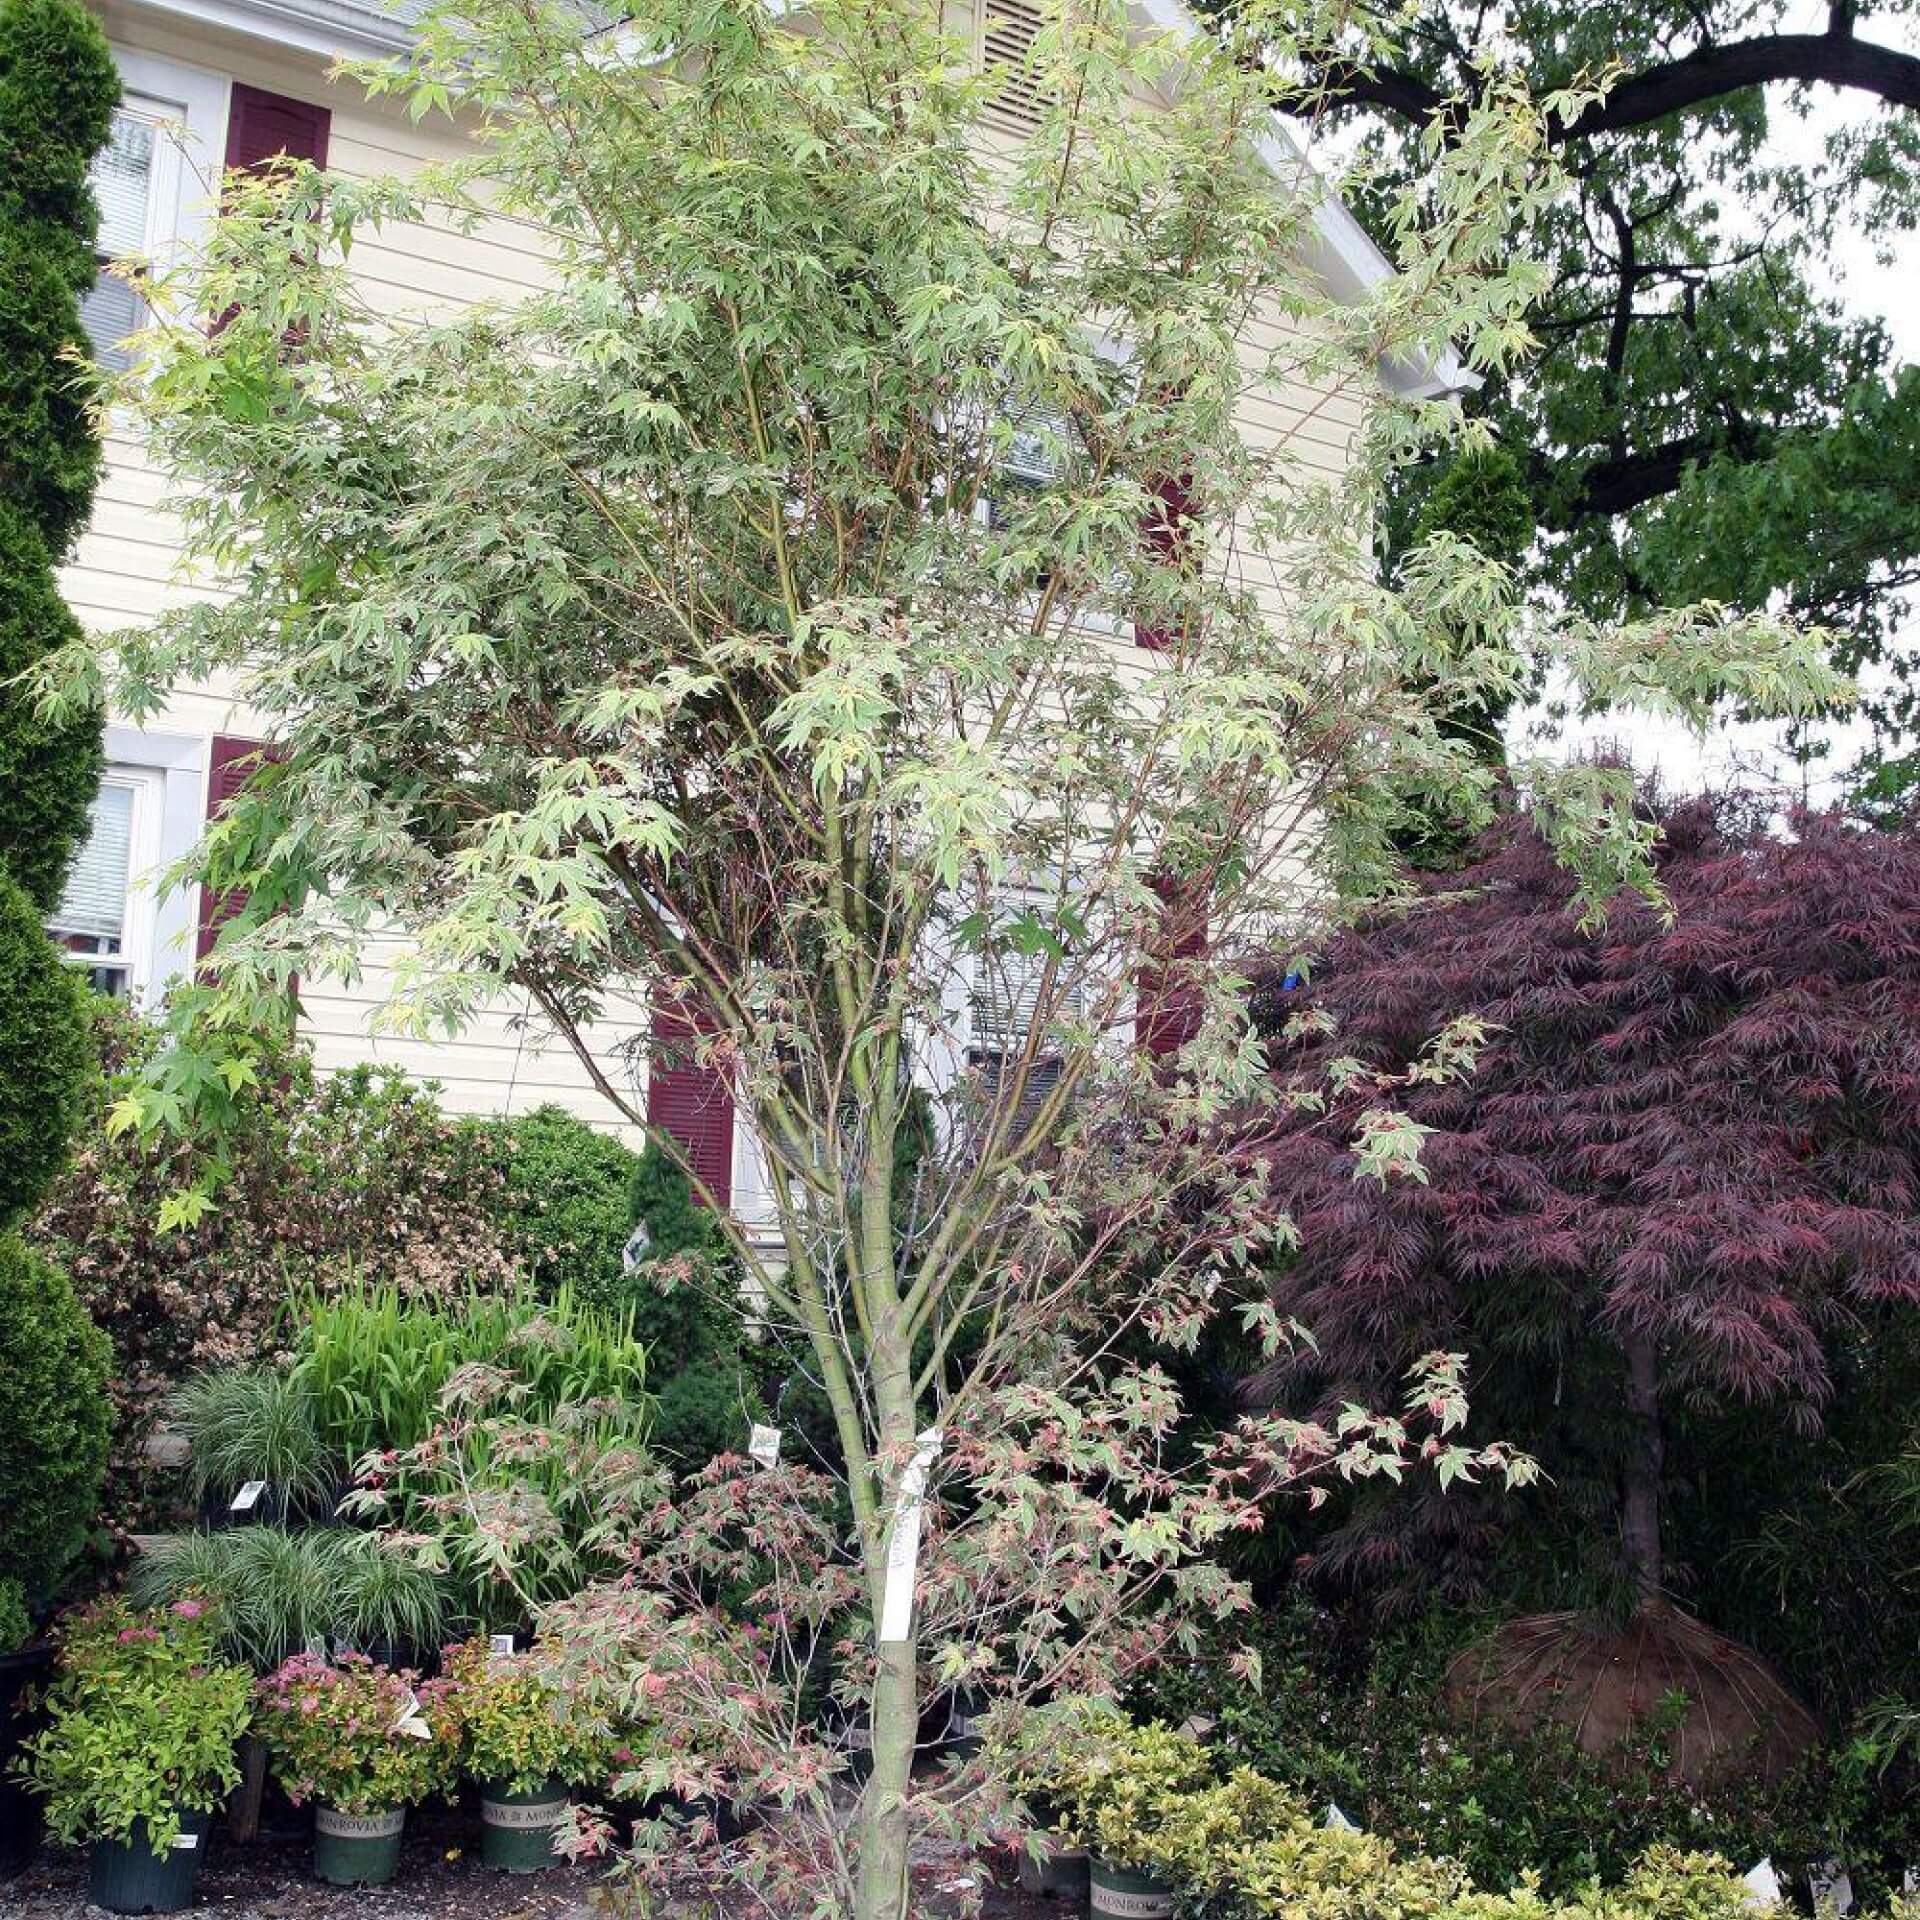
764, 1445
903, 1549
1338, 1821
248, 1497
1831, 1885
1762, 1884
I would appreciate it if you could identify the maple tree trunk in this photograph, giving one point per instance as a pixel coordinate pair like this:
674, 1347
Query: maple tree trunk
885, 1836
1646, 1457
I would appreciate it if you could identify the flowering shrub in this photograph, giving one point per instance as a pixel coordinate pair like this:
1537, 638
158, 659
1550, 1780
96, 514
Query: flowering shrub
516, 1730
356, 1736
142, 1719
359, 1176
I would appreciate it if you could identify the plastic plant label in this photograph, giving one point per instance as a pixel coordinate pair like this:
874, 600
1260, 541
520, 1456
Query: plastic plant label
1338, 1821
499, 1647
903, 1548
1910, 1880
1831, 1885
764, 1445
639, 1245
316, 1647
185, 1842
411, 1721
248, 1497
1762, 1884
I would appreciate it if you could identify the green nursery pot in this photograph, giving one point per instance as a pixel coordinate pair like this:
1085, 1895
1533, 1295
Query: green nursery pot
517, 1829
127, 1876
1115, 1892
357, 1849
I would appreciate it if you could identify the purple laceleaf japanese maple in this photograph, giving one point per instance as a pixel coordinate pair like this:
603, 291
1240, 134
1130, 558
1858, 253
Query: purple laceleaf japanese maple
1689, 1147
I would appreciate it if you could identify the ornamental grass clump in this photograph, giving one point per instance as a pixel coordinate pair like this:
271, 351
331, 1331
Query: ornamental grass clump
355, 1736
518, 1732
142, 1720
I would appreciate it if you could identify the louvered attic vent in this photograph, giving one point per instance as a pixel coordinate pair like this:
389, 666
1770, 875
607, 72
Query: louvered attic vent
1004, 33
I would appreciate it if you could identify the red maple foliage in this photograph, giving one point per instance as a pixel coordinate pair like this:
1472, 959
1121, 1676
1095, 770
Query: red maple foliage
1691, 1146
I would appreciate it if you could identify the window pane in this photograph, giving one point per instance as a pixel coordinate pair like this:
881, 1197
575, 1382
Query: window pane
122, 179
123, 183
94, 907
110, 312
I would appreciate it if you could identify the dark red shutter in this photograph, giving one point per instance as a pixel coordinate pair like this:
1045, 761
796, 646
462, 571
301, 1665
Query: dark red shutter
1166, 534
229, 768
693, 1103
260, 125
1167, 1013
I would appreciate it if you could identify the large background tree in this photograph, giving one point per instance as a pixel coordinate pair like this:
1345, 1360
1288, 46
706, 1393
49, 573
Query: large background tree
1682, 1186
748, 620
1710, 414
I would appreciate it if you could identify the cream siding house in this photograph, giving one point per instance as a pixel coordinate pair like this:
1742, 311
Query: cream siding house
218, 83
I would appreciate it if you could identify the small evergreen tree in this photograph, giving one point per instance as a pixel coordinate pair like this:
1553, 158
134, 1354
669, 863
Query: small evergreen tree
58, 88
684, 1291
54, 1416
46, 1052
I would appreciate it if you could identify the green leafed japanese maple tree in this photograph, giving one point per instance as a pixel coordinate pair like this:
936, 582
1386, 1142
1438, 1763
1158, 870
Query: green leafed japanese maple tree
747, 623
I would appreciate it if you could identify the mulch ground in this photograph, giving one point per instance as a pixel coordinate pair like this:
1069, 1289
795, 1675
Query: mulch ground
440, 1878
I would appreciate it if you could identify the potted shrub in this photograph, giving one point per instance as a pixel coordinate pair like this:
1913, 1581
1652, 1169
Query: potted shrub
523, 1748
138, 1748
1117, 1789
359, 1742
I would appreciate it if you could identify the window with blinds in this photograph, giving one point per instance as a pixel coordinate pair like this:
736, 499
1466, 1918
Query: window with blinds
1041, 442
1004, 1012
123, 177
91, 920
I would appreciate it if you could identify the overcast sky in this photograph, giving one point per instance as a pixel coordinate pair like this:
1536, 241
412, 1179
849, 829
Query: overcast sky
1891, 291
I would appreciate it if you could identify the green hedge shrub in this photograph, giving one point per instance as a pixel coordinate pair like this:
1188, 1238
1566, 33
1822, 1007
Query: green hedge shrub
1358, 1720
54, 1416
58, 89
46, 1055
570, 1200
566, 1196
16, 1623
49, 770
1243, 1846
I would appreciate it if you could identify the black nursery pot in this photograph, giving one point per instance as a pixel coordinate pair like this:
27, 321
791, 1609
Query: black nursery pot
268, 1508
20, 1822
127, 1876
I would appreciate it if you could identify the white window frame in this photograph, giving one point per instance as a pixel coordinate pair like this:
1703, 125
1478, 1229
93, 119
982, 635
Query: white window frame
187, 106
145, 829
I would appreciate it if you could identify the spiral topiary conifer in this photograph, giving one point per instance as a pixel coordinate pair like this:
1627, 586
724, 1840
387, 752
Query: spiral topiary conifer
58, 89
